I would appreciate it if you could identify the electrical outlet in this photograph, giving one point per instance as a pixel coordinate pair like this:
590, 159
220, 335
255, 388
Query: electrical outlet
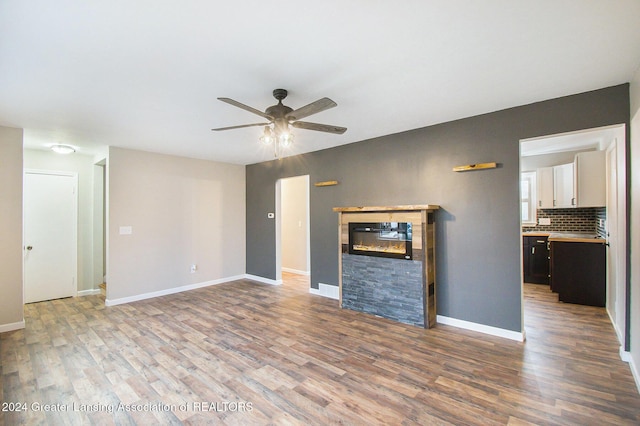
601, 223
544, 221
194, 268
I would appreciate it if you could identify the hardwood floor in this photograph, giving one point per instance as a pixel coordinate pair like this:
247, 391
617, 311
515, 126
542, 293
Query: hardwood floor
247, 353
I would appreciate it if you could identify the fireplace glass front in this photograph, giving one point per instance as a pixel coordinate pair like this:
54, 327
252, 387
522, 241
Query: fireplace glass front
382, 239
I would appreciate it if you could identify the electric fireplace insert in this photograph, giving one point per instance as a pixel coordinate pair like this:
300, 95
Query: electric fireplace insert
381, 239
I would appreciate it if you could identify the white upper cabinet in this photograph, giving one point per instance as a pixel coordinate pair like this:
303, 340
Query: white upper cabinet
578, 184
544, 187
563, 185
555, 187
590, 177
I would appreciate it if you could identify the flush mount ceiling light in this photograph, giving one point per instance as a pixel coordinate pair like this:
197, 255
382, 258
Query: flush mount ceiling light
63, 149
281, 117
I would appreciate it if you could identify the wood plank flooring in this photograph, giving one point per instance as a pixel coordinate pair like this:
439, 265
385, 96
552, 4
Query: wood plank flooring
246, 353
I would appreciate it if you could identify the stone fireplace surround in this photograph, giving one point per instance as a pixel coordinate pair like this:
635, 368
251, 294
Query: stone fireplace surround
397, 289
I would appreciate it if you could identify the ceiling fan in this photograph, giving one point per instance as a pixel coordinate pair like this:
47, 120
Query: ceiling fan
280, 117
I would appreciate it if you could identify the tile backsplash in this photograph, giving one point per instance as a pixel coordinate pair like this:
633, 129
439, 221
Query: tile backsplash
571, 220
601, 213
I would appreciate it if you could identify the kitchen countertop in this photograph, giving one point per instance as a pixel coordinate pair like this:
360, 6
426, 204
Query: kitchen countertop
535, 234
577, 237
569, 237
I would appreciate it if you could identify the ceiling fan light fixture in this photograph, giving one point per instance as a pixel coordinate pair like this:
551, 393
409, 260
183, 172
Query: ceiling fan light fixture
62, 149
285, 139
281, 118
267, 136
281, 138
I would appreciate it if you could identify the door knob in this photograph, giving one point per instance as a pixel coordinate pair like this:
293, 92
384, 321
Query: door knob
29, 248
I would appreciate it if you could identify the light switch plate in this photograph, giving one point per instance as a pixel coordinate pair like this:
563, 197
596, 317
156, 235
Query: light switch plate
544, 221
126, 230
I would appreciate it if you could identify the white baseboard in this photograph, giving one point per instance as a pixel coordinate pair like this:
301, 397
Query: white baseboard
634, 372
11, 326
481, 328
296, 271
88, 292
262, 279
120, 301
615, 328
326, 290
624, 355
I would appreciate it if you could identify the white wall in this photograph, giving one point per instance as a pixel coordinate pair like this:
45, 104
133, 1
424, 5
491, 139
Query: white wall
11, 301
295, 225
181, 212
635, 227
83, 165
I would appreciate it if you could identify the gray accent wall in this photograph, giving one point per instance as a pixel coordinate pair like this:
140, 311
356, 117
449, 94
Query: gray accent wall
478, 226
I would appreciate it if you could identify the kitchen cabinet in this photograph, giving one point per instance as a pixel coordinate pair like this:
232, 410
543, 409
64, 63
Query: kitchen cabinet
578, 271
535, 259
544, 187
563, 186
590, 179
578, 184
555, 187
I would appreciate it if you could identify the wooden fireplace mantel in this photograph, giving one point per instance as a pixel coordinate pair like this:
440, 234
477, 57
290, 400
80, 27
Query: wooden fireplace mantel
412, 207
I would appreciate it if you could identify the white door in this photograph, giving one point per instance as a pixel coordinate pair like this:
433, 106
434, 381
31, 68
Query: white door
614, 297
50, 229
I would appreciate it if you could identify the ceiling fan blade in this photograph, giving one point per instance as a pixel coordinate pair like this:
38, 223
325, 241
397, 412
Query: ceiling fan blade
312, 108
245, 107
319, 127
240, 126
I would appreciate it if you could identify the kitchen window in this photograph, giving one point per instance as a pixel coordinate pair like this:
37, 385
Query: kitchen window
528, 198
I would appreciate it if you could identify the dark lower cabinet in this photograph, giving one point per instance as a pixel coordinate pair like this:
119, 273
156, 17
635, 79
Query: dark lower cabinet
578, 272
535, 260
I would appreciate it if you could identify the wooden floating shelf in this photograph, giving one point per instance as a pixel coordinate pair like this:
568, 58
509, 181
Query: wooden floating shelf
479, 166
411, 207
326, 183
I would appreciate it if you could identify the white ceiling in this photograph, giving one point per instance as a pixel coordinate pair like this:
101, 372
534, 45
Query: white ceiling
145, 74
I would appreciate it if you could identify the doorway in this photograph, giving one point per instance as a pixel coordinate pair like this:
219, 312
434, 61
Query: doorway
50, 235
292, 229
610, 220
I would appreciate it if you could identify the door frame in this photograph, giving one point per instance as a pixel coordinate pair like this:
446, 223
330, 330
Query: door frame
621, 285
620, 134
74, 250
278, 224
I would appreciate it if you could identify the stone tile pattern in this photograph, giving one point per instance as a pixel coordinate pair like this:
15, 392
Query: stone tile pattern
390, 288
